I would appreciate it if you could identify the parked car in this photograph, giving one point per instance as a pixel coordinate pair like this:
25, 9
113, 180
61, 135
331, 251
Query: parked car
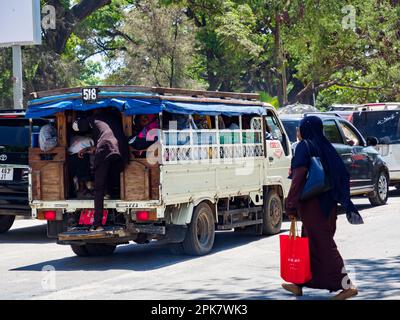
369, 174
382, 121
14, 170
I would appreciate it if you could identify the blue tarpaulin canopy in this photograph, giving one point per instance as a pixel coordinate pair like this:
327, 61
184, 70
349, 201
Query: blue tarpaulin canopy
136, 103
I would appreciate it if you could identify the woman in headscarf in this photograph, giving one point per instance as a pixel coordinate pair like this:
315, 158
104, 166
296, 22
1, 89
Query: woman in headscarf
319, 213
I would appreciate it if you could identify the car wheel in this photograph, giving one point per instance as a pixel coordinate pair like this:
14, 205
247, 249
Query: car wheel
381, 193
100, 249
6, 223
80, 251
200, 235
272, 214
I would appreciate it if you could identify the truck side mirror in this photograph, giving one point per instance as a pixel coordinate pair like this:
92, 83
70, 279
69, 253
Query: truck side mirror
372, 141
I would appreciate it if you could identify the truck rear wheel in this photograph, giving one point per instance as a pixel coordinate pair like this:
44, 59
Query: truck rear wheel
93, 250
272, 214
80, 251
200, 235
100, 249
6, 223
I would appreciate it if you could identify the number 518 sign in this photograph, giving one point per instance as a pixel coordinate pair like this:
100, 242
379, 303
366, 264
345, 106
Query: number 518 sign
90, 95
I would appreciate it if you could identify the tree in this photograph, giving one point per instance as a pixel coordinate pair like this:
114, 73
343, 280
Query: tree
159, 47
357, 63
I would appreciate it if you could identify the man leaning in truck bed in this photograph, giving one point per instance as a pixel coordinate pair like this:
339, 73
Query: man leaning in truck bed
111, 155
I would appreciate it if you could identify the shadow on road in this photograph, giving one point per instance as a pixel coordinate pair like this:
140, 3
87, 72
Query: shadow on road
34, 234
376, 278
141, 257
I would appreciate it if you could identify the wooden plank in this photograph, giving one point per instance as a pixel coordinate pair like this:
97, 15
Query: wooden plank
62, 129
48, 179
36, 191
58, 154
156, 90
62, 91
127, 123
209, 94
141, 181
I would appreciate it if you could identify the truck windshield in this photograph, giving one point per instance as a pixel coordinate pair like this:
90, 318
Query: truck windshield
384, 125
14, 133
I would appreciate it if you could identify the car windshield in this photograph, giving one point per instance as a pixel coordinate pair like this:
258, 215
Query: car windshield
290, 127
14, 133
384, 125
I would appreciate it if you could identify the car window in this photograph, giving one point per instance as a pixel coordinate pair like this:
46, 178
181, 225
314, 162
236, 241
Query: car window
332, 132
352, 139
291, 129
384, 125
14, 132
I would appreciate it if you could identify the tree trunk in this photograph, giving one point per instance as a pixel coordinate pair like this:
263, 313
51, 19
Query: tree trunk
280, 63
67, 19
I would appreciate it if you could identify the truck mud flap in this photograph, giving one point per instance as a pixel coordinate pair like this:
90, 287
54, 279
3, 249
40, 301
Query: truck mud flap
175, 233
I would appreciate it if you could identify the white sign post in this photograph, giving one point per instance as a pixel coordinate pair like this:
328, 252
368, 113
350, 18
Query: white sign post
20, 24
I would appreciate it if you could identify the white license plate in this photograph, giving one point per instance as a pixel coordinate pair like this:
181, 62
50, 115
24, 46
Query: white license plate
6, 174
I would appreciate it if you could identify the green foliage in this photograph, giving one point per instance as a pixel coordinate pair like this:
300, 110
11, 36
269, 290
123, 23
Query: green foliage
265, 97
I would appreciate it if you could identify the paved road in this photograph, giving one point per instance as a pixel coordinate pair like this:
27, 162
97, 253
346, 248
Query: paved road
240, 267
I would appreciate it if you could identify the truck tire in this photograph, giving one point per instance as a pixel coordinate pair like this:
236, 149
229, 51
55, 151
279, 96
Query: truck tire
6, 223
100, 249
80, 251
272, 214
200, 235
381, 190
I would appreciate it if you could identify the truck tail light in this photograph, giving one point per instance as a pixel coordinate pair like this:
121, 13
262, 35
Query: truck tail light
146, 216
49, 215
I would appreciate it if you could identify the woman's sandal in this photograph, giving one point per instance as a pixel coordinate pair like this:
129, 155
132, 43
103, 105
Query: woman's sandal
346, 294
296, 290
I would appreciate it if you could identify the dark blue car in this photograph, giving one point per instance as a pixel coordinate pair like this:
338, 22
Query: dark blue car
369, 174
15, 135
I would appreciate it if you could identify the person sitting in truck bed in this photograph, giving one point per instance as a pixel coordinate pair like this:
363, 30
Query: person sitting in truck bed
79, 165
111, 155
147, 134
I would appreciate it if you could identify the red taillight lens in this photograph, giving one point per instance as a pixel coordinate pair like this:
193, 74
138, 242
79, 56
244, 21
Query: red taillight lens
50, 215
142, 215
9, 117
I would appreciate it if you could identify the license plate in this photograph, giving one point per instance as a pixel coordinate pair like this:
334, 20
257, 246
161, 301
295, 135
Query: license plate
6, 174
87, 217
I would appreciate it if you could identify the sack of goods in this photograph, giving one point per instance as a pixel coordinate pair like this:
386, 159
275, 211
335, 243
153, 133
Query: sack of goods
47, 138
295, 257
78, 143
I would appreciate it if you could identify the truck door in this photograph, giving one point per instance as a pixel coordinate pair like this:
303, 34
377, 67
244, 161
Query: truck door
278, 153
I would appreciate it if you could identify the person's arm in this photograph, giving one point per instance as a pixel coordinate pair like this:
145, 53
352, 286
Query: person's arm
299, 177
298, 174
90, 150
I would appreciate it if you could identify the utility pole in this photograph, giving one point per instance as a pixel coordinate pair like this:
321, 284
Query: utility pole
17, 77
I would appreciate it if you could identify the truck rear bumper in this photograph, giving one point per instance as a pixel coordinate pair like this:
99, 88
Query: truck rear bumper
75, 205
169, 233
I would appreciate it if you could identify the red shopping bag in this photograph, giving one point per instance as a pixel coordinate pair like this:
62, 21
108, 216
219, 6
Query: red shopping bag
295, 257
